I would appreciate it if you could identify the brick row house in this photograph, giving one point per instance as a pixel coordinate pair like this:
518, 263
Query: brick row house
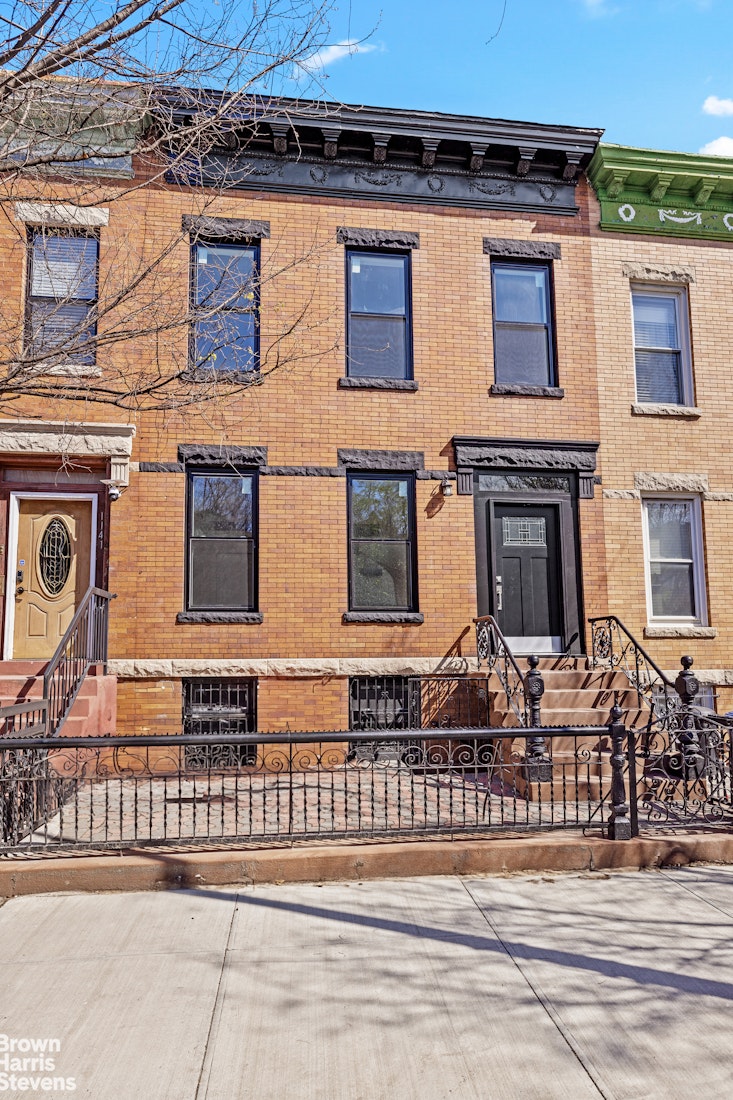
482, 367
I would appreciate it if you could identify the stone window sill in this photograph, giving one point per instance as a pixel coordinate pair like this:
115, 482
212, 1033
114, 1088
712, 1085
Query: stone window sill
405, 384
519, 389
687, 412
414, 618
219, 617
680, 631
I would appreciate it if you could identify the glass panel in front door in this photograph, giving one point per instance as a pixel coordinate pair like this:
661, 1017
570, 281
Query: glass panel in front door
527, 597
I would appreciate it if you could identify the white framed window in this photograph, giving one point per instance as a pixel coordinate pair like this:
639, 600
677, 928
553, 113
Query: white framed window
662, 356
673, 552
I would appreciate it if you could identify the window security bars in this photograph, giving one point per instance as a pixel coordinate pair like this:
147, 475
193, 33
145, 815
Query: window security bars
217, 708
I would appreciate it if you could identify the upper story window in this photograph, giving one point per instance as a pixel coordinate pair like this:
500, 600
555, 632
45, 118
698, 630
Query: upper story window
224, 292
382, 543
523, 337
674, 560
662, 346
379, 340
62, 295
222, 573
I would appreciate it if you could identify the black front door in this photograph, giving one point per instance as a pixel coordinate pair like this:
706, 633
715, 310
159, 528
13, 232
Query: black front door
527, 586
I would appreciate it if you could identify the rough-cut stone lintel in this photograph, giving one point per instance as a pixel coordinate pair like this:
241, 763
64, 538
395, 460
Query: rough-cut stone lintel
159, 467
658, 274
529, 250
622, 494
680, 632
411, 618
717, 496
295, 668
405, 384
220, 617
222, 455
520, 389
61, 213
435, 475
225, 228
686, 412
528, 457
651, 481
381, 460
303, 471
377, 238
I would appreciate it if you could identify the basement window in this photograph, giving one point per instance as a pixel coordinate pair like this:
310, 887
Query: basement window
216, 709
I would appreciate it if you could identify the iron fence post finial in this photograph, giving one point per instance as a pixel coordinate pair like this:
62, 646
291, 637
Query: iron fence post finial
619, 823
538, 764
687, 686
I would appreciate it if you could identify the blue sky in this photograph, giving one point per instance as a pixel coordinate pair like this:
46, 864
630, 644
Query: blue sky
654, 73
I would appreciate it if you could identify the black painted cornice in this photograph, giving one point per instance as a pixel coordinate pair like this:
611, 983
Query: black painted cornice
322, 148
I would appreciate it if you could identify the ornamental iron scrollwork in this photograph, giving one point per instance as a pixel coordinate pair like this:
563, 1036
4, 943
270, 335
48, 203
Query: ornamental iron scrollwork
54, 556
493, 651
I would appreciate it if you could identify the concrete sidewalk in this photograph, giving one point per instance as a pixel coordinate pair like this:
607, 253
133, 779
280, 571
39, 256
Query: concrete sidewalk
527, 987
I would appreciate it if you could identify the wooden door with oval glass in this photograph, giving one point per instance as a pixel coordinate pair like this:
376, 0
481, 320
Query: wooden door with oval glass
53, 568
527, 586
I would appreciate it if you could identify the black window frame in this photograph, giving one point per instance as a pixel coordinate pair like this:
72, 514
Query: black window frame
406, 256
550, 326
199, 371
76, 358
411, 540
217, 471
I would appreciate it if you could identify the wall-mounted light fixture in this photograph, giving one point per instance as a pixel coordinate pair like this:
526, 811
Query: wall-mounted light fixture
446, 487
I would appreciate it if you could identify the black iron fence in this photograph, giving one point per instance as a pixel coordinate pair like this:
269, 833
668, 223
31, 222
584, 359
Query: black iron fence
421, 758
128, 791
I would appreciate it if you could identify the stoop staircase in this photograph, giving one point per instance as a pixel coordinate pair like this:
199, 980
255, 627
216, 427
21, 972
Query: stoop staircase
93, 712
71, 695
575, 695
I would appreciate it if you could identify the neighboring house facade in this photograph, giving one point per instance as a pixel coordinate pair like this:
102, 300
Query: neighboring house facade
488, 404
662, 266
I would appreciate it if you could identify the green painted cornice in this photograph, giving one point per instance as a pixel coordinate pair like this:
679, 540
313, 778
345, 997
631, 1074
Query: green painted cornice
672, 194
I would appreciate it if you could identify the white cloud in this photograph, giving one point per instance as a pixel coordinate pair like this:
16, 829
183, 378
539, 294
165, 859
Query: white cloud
721, 147
715, 106
321, 59
599, 7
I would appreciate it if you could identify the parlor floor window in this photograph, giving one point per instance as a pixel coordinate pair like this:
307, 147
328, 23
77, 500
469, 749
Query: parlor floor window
221, 542
674, 566
382, 543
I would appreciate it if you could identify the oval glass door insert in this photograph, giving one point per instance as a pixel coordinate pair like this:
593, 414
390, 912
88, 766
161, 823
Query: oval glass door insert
54, 556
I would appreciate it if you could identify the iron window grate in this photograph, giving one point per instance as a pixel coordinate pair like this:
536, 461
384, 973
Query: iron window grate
215, 708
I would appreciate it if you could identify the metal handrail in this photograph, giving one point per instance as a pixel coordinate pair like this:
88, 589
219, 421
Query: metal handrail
637, 670
84, 643
492, 646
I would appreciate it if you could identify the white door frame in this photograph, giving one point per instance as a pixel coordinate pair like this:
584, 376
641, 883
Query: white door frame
12, 553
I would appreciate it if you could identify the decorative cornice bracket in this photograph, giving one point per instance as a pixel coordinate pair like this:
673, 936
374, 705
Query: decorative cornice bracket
659, 185
526, 156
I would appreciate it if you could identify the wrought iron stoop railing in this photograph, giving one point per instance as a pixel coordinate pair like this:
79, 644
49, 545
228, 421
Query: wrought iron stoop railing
614, 647
84, 644
493, 652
